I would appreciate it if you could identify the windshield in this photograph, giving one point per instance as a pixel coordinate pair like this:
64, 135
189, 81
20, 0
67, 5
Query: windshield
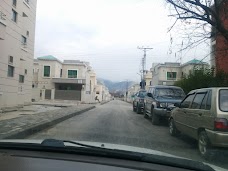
114, 71
142, 94
170, 92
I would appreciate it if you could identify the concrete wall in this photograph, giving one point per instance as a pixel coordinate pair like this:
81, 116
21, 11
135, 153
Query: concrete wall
36, 94
13, 93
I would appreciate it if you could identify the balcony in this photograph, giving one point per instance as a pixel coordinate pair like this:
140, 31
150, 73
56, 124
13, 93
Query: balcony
2, 25
69, 80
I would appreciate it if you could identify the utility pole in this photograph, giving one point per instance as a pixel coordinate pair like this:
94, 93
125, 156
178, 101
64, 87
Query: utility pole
145, 49
126, 89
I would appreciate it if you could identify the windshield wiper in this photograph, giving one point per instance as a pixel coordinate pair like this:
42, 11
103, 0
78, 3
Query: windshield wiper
61, 143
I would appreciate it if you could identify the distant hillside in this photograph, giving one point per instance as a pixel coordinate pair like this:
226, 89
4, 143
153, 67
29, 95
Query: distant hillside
116, 86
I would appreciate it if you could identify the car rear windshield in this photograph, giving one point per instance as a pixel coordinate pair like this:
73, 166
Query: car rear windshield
170, 92
142, 94
223, 100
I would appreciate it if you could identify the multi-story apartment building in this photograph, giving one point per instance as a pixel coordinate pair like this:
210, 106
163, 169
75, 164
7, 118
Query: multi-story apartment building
17, 35
168, 73
67, 80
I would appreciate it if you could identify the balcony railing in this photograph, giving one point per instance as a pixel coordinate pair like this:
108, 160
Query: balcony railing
69, 80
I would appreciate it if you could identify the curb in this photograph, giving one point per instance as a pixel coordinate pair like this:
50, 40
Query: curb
36, 128
102, 103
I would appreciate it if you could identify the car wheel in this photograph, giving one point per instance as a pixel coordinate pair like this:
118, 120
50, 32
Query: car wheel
204, 145
172, 128
138, 109
154, 118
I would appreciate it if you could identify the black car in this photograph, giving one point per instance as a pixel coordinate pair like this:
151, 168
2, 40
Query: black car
138, 102
160, 100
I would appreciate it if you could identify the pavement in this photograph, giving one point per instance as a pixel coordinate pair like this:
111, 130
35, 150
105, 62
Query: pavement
22, 123
116, 123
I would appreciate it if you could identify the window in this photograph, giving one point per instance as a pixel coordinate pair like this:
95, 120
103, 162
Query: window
208, 105
21, 78
46, 71
26, 71
10, 59
198, 100
223, 100
61, 72
14, 16
10, 71
187, 101
203, 105
72, 73
24, 15
23, 40
171, 75
27, 33
27, 1
15, 3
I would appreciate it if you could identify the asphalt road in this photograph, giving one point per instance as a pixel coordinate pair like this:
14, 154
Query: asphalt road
116, 123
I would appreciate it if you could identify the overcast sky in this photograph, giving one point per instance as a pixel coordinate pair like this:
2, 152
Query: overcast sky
106, 33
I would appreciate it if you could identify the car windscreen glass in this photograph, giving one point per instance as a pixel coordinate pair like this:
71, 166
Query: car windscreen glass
142, 94
169, 92
223, 100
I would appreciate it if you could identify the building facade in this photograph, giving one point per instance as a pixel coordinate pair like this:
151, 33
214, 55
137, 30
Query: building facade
17, 35
219, 45
67, 80
168, 73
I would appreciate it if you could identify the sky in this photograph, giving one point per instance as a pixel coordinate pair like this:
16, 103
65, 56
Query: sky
106, 33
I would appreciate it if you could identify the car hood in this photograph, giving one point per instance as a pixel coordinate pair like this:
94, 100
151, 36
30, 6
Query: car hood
117, 147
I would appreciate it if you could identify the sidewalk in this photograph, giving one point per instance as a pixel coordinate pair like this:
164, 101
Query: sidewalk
25, 125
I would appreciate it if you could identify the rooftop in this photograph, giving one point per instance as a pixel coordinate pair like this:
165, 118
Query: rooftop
195, 61
48, 58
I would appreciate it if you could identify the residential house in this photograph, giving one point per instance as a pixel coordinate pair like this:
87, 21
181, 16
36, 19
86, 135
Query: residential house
148, 79
67, 80
17, 37
219, 45
168, 73
132, 91
165, 74
102, 92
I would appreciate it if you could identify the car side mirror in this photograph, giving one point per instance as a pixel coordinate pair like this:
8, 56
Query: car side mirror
150, 95
177, 105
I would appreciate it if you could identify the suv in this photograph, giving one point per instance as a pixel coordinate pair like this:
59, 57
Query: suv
203, 115
138, 102
160, 100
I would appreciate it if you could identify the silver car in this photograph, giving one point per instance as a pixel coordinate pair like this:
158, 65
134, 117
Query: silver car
203, 115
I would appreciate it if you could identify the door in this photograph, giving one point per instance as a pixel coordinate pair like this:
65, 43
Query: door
195, 116
180, 114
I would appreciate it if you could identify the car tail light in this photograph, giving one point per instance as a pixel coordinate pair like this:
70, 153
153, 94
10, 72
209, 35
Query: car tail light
221, 124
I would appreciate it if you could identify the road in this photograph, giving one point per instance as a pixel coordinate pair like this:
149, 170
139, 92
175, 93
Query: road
116, 123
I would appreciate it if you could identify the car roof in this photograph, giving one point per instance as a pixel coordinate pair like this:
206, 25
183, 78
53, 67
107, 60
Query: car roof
204, 89
164, 86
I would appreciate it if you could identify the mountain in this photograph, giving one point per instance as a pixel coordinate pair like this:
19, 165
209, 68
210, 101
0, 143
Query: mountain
116, 86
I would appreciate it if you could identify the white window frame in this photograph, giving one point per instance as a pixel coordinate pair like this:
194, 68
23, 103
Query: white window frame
43, 71
172, 79
72, 70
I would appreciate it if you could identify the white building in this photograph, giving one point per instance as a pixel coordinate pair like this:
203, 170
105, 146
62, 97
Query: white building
168, 73
67, 80
102, 92
17, 34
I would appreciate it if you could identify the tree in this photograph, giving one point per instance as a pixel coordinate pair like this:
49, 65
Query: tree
202, 78
200, 16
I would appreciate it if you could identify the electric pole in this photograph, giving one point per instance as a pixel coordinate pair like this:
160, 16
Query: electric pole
145, 49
